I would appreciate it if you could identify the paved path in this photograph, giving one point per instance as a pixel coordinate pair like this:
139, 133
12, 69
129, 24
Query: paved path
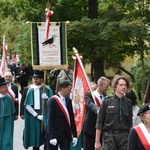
18, 131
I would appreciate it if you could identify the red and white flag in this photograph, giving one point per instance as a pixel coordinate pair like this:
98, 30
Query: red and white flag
80, 87
48, 14
3, 67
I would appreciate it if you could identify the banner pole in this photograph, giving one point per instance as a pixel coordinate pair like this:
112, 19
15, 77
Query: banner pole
43, 101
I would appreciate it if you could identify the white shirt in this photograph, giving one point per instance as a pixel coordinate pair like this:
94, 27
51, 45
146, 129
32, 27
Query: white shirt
63, 99
136, 119
96, 93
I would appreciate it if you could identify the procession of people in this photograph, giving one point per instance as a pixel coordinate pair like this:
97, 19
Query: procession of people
49, 120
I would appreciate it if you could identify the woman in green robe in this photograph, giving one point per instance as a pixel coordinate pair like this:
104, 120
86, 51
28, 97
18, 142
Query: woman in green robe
6, 118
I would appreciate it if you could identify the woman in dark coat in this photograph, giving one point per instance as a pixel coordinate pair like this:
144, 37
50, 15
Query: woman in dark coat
139, 136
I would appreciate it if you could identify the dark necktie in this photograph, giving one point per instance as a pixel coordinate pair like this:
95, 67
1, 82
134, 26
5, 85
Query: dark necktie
9, 85
121, 109
101, 96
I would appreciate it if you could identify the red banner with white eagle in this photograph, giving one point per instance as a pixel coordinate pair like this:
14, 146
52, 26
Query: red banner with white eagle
80, 87
3, 67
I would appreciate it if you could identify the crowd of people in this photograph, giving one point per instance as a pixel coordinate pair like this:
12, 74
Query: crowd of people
21, 74
111, 122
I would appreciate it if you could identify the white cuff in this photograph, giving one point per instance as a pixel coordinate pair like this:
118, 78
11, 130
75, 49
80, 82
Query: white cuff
31, 110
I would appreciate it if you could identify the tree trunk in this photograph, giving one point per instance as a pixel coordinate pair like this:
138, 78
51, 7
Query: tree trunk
143, 73
98, 65
93, 9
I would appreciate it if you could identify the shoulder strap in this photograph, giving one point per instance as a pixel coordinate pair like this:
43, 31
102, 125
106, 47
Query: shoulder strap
97, 102
11, 94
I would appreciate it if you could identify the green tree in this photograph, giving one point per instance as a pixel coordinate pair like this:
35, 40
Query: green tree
136, 70
23, 44
14, 14
113, 36
109, 46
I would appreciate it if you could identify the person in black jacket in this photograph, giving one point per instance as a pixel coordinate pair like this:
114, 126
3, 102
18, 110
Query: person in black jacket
12, 91
23, 97
114, 118
61, 126
23, 76
139, 136
132, 96
92, 108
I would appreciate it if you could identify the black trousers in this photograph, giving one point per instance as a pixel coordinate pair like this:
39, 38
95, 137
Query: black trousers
35, 148
88, 141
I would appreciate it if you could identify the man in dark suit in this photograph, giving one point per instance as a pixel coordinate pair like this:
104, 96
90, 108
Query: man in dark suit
23, 97
61, 126
93, 103
12, 91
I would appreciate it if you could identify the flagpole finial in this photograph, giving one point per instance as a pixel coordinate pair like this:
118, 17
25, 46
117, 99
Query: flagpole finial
75, 50
28, 22
67, 22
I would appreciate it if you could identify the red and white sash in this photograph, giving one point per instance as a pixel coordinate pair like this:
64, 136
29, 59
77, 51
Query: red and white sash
97, 98
11, 93
143, 135
63, 108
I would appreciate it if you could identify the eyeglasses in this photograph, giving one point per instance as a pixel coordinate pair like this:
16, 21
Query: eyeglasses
104, 86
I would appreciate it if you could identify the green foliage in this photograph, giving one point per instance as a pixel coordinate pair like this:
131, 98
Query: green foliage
23, 44
136, 70
101, 38
15, 13
69, 10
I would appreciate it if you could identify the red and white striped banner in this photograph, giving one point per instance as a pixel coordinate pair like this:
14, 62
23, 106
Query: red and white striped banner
3, 67
48, 14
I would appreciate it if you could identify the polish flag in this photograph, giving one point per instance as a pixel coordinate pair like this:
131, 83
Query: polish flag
3, 66
80, 86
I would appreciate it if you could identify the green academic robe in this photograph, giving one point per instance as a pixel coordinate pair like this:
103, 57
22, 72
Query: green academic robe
32, 127
7, 111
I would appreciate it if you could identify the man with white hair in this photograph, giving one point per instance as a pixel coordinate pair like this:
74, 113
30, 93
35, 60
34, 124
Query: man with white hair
12, 91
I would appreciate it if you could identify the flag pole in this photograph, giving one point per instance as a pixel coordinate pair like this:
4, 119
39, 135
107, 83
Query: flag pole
3, 66
43, 101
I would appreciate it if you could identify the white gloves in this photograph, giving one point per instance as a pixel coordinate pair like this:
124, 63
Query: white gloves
44, 96
40, 117
74, 141
53, 142
97, 111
